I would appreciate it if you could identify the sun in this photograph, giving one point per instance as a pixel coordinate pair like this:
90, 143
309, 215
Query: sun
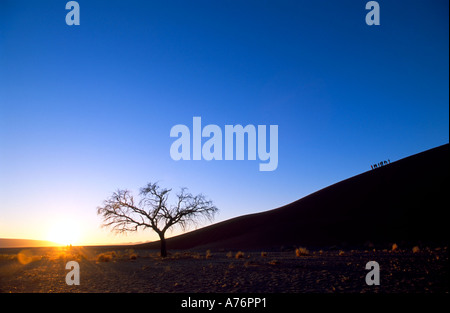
65, 232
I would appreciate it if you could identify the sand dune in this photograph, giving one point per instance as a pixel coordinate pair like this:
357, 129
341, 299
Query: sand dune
405, 201
24, 243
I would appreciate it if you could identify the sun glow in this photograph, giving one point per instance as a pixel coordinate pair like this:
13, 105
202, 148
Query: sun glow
64, 232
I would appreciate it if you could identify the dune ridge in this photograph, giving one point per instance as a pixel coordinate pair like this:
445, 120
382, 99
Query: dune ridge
404, 201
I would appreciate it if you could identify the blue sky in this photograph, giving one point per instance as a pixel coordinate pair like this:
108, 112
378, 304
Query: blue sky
87, 109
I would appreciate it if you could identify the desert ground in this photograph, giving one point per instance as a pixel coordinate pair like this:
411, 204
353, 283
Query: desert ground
112, 269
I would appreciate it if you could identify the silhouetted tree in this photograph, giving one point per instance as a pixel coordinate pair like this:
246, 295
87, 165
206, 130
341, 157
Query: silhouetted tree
123, 214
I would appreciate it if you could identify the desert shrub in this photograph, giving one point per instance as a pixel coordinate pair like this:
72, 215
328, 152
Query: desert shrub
416, 249
394, 247
341, 252
208, 254
239, 255
264, 254
133, 256
104, 257
301, 251
229, 254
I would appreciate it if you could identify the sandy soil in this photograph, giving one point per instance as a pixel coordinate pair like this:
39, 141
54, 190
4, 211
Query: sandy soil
121, 270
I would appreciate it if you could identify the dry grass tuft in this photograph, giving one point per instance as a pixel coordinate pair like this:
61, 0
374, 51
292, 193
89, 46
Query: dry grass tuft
416, 249
239, 255
208, 254
263, 254
133, 256
106, 256
394, 247
301, 251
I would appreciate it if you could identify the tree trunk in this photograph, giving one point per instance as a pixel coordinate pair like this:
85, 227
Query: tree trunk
163, 245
